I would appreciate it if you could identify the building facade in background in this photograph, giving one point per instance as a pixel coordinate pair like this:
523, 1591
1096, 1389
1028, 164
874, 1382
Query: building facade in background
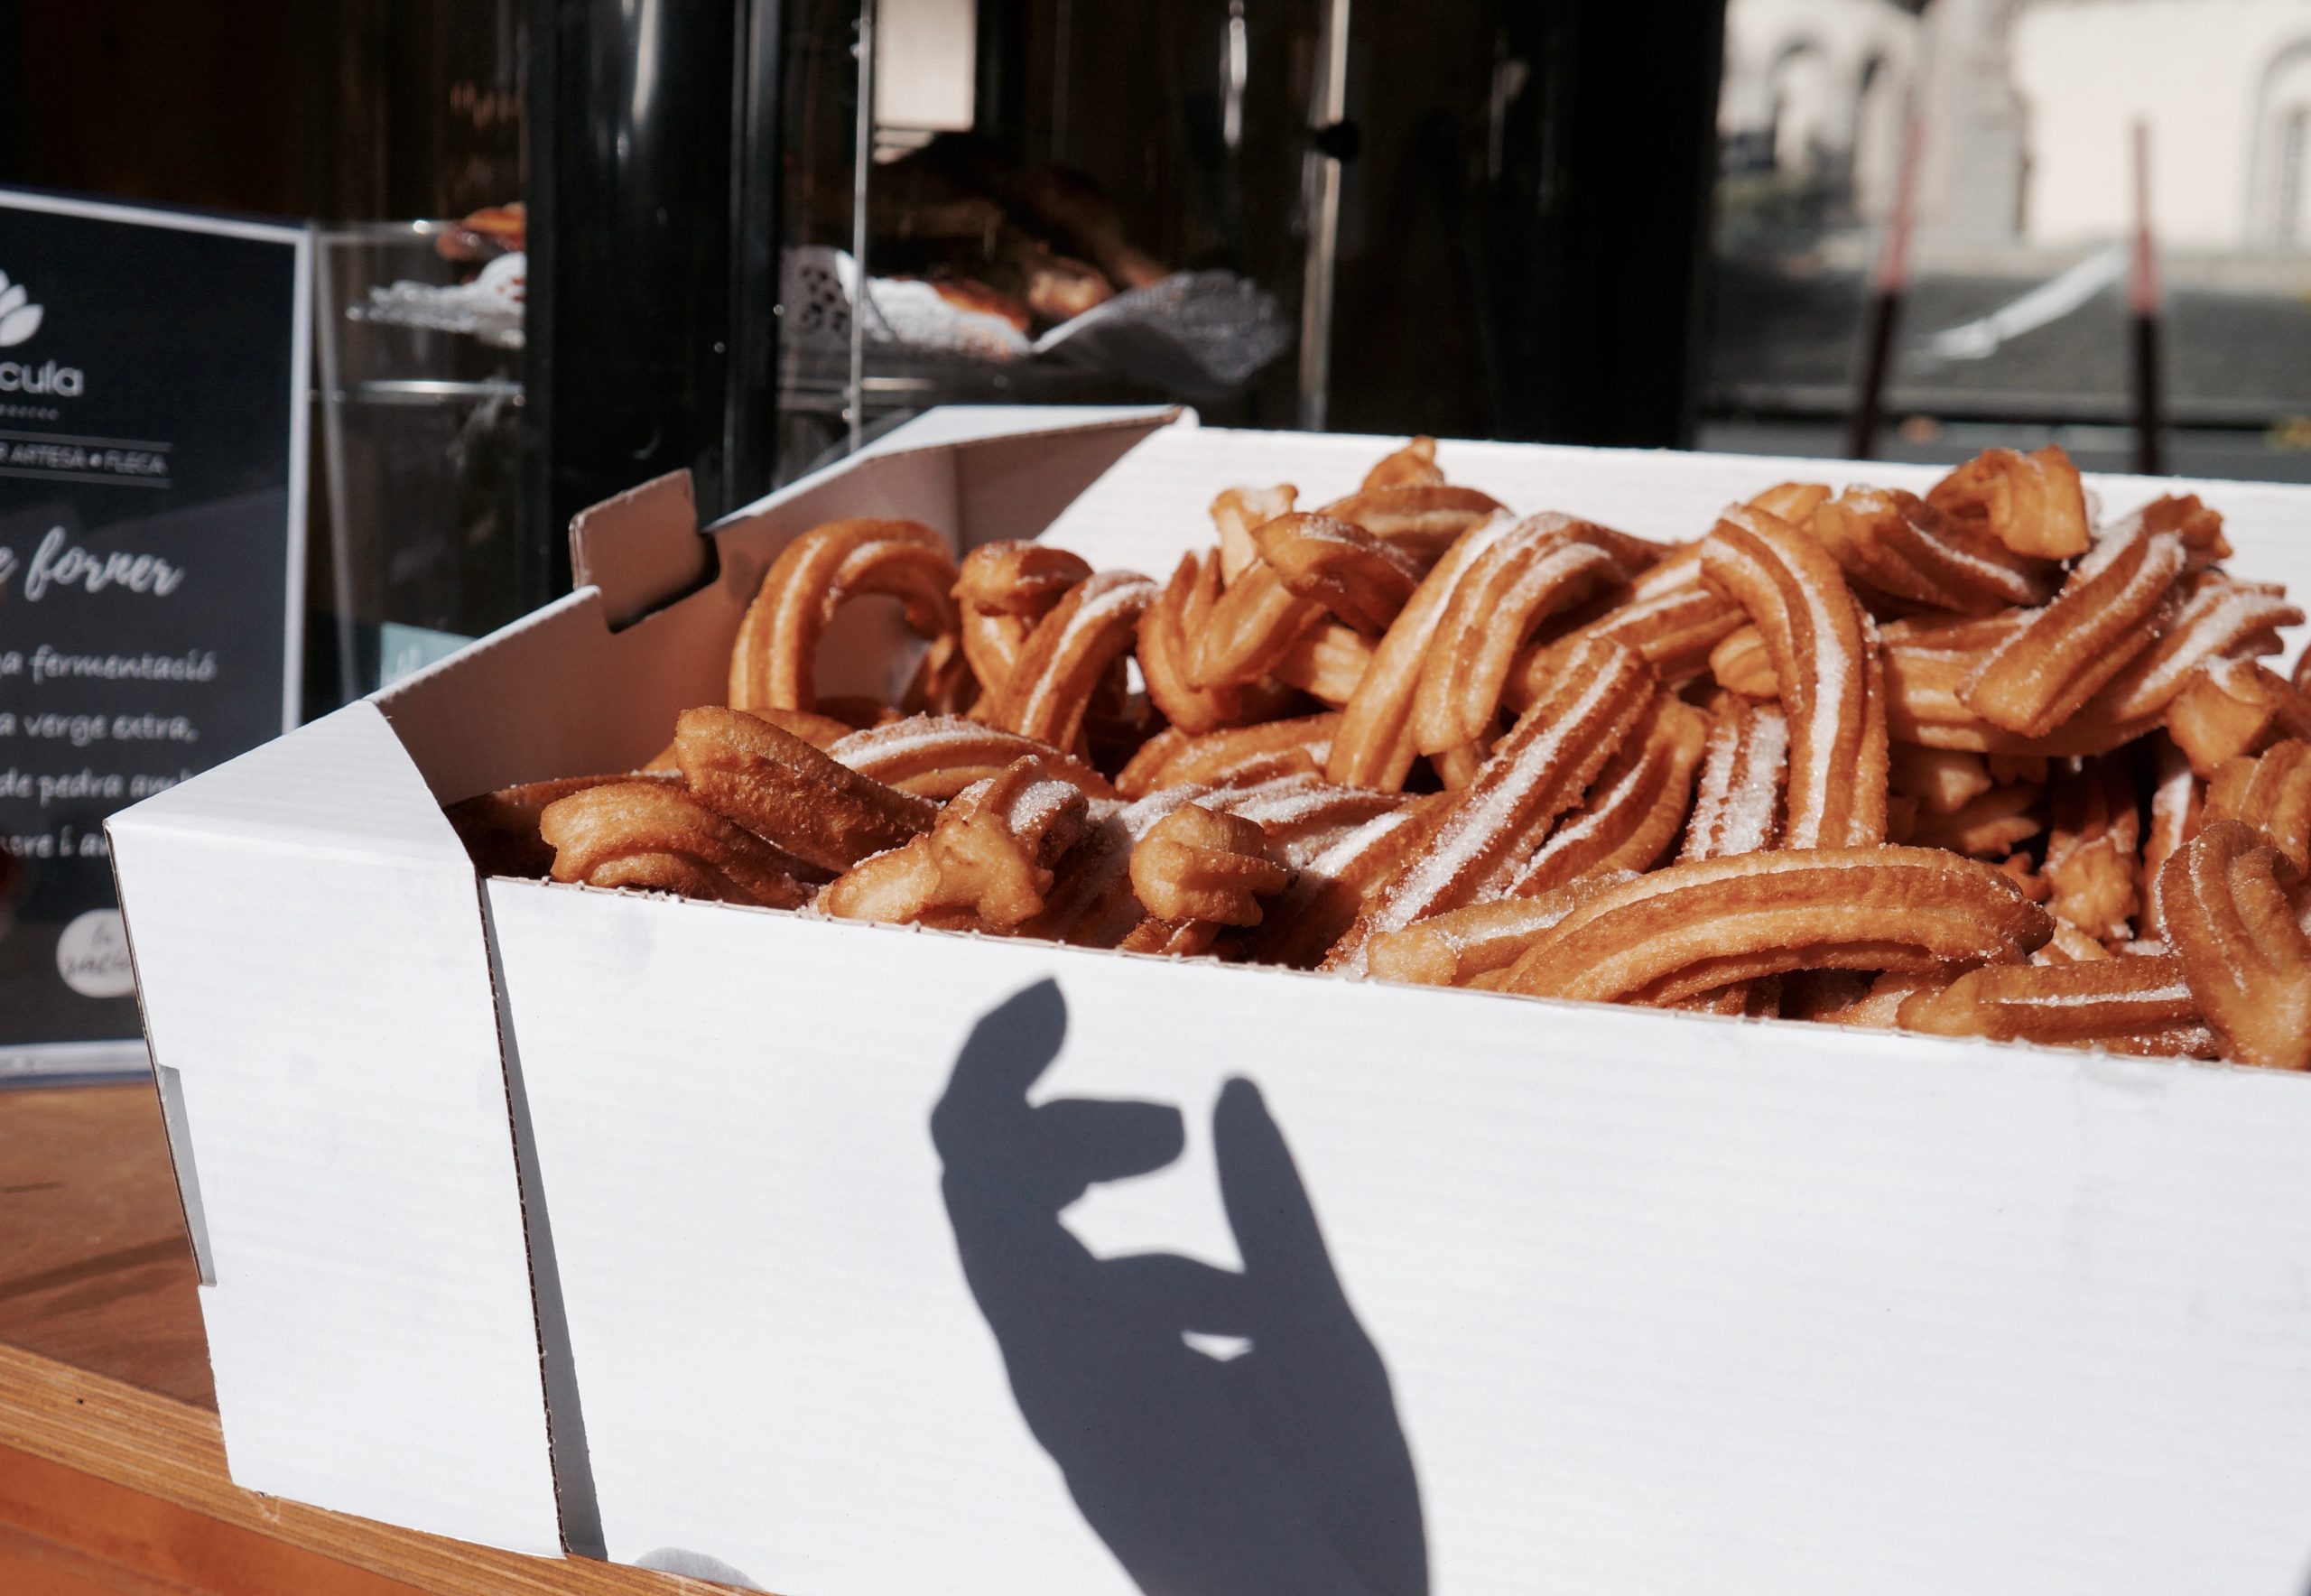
2027, 107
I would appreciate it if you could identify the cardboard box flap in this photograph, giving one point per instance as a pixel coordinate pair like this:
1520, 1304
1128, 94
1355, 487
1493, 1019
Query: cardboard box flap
311, 957
641, 549
592, 683
342, 785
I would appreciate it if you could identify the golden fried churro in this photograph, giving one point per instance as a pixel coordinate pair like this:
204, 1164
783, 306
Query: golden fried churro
1634, 809
2034, 503
937, 756
2200, 528
1692, 928
1003, 588
2242, 946
1327, 663
1412, 466
2234, 707
2130, 1006
1745, 763
1670, 617
771, 665
1241, 755
1090, 904
2219, 618
1989, 825
2092, 846
1336, 885
1897, 545
1239, 510
2059, 656
500, 828
1138, 776
654, 836
1793, 502
1250, 630
2270, 791
1928, 665
1455, 948
1536, 568
1375, 744
1302, 816
1478, 838
1422, 521
1942, 780
2178, 798
1741, 663
1181, 613
1824, 654
1853, 998
1068, 654
2070, 945
779, 787
985, 866
1204, 864
1361, 579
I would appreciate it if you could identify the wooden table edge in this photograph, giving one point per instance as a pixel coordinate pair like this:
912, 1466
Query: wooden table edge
175, 1452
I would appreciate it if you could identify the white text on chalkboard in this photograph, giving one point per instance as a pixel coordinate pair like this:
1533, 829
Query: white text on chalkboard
60, 563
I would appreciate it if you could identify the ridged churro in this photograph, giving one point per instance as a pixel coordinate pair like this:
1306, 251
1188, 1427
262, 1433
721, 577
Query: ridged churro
772, 663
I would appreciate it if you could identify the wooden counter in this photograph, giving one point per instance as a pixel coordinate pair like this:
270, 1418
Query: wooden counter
112, 1473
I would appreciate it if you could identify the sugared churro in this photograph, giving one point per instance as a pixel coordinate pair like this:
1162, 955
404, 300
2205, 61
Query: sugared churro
2092, 846
1896, 545
1824, 657
500, 828
779, 787
1632, 812
2033, 503
1069, 652
654, 837
1205, 864
1003, 589
1672, 618
1531, 570
1745, 764
2135, 1006
937, 756
2059, 656
1375, 746
985, 865
772, 663
1692, 928
1476, 841
2234, 707
1243, 755
2242, 947
2270, 791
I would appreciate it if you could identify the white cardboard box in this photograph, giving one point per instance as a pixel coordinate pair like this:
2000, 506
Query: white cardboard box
1537, 1296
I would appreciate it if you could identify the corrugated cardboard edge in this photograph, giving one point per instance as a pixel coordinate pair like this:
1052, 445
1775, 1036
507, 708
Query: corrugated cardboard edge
370, 1325
336, 813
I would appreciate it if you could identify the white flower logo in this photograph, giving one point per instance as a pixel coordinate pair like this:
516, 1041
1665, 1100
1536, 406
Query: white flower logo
18, 320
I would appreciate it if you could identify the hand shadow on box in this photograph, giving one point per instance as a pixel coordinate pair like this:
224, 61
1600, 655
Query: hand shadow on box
1280, 1471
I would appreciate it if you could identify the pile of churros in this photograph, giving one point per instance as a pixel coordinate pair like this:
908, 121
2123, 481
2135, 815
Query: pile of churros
1971, 763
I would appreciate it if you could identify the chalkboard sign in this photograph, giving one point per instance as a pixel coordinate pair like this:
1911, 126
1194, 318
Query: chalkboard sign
153, 414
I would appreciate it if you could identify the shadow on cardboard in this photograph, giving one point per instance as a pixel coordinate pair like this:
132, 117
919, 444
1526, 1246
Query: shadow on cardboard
1280, 1470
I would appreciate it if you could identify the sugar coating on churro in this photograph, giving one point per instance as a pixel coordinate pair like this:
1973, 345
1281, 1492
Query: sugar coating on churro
1965, 761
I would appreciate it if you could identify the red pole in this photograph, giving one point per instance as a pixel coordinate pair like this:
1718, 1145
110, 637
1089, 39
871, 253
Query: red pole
2142, 317
1891, 282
